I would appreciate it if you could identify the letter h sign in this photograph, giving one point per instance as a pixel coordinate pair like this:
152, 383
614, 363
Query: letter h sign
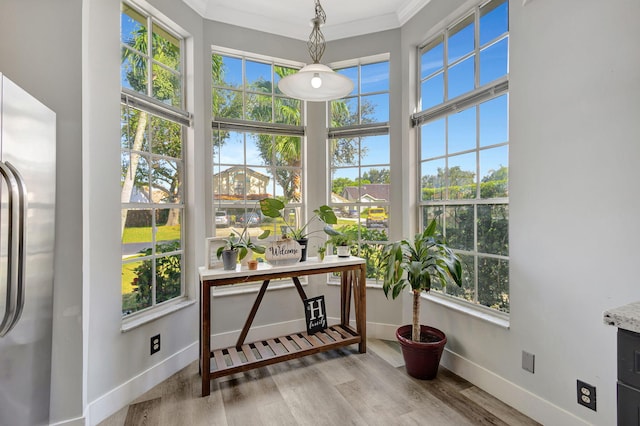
314, 312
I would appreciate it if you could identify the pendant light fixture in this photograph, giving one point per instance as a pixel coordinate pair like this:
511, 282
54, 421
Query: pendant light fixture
316, 82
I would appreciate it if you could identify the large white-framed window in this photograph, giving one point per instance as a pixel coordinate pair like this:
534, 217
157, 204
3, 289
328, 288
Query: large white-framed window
463, 141
257, 143
359, 155
153, 122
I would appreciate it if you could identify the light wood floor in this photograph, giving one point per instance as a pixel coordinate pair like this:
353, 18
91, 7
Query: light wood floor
340, 387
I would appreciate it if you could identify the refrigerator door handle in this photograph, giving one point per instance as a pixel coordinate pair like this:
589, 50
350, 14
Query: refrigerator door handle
22, 233
13, 287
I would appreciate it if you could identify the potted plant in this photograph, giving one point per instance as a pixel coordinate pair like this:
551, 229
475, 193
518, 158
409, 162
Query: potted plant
272, 207
416, 264
342, 242
238, 245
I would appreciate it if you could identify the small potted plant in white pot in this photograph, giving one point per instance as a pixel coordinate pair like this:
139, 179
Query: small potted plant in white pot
416, 264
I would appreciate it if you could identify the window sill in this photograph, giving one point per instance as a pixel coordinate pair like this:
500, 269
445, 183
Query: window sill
136, 321
496, 318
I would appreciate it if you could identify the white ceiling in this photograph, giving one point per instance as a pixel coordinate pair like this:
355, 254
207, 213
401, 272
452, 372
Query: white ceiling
291, 18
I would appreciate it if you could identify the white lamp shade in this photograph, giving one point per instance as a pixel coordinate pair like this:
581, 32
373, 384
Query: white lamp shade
298, 85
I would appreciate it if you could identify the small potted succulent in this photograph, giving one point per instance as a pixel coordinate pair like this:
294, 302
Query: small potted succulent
416, 264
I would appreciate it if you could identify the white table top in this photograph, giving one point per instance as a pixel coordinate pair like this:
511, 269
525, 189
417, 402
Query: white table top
311, 263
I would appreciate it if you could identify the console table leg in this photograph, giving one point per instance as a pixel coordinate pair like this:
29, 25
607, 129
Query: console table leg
205, 346
361, 310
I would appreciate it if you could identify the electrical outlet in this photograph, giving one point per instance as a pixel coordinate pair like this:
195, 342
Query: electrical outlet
528, 362
155, 344
587, 395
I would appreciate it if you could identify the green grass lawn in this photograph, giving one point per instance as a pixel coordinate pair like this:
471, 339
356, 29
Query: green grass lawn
143, 234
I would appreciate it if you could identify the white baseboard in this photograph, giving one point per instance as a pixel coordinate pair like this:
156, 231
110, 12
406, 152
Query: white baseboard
381, 331
511, 394
114, 400
78, 421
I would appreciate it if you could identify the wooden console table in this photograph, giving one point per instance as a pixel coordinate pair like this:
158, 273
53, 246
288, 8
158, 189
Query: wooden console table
243, 356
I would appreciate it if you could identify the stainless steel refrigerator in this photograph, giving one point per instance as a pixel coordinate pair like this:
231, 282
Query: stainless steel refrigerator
27, 209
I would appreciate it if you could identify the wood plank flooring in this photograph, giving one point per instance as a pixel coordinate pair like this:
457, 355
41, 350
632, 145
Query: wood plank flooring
339, 387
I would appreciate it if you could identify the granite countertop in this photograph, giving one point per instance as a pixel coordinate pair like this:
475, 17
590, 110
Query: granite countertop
626, 317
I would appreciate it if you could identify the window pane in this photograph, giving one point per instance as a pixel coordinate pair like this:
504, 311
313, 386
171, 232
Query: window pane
375, 78
432, 138
344, 151
494, 127
167, 181
133, 71
431, 213
138, 234
258, 76
279, 73
166, 48
432, 59
344, 112
461, 40
461, 78
494, 172
493, 283
227, 71
432, 91
227, 104
288, 111
168, 230
343, 183
375, 150
132, 25
255, 181
166, 137
259, 146
352, 74
140, 173
461, 176
168, 277
459, 227
259, 108
287, 151
375, 108
137, 279
468, 289
462, 131
288, 185
433, 180
166, 86
494, 20
493, 229
494, 61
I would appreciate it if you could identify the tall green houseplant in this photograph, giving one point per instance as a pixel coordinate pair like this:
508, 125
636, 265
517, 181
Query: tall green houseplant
416, 264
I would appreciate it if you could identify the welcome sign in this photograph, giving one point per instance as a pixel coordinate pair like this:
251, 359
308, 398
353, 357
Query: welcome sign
283, 252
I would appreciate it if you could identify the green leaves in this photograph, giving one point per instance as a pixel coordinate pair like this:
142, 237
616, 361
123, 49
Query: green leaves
271, 207
418, 262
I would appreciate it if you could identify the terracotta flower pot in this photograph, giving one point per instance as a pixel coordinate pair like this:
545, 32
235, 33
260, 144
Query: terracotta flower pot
422, 359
